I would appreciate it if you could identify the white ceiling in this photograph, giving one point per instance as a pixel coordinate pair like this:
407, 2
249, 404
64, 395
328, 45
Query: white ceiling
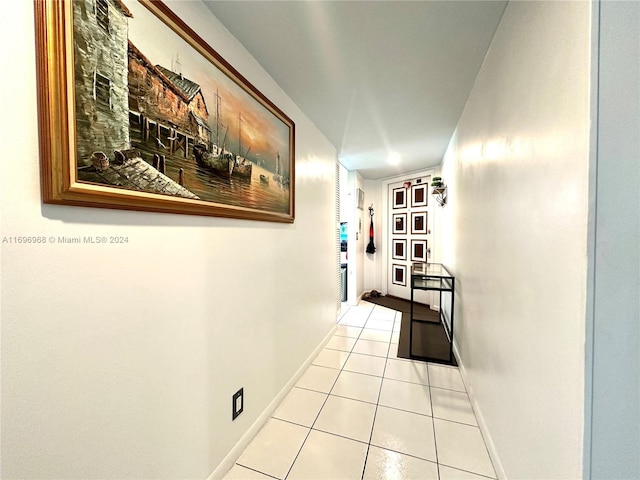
376, 77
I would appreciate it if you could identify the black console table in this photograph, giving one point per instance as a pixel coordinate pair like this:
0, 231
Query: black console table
434, 335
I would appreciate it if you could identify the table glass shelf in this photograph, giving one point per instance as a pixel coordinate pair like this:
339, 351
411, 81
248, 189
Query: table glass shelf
435, 277
429, 269
429, 283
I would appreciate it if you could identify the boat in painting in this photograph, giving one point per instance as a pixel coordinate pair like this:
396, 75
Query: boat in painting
221, 163
220, 160
242, 167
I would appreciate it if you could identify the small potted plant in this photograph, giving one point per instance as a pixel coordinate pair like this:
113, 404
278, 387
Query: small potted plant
437, 182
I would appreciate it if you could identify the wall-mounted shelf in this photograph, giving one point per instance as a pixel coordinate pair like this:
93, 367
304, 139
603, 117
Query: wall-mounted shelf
440, 194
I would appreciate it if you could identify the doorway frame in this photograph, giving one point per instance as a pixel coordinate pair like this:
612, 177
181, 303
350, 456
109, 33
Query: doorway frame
384, 196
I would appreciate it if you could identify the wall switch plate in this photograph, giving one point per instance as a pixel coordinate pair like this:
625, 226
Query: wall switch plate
238, 404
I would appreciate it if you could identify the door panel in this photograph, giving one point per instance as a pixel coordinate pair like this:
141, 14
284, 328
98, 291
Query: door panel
409, 234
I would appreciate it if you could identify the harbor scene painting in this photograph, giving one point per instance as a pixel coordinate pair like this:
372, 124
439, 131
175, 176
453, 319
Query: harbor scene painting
157, 111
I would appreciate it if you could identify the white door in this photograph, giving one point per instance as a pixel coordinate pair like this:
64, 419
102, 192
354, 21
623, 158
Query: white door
409, 235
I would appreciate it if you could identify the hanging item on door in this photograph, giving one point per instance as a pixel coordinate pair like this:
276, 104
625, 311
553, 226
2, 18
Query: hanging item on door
371, 248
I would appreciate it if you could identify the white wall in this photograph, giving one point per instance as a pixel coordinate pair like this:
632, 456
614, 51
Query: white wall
346, 196
614, 398
372, 262
515, 235
120, 361
356, 244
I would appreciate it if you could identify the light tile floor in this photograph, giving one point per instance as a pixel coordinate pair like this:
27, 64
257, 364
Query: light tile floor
361, 413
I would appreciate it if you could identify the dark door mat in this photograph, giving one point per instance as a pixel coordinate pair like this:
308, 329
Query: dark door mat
429, 338
420, 310
430, 341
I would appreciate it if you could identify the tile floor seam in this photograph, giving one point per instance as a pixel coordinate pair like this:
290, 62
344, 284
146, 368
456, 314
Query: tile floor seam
377, 330
371, 340
467, 471
478, 426
406, 381
297, 454
433, 422
304, 441
291, 422
320, 410
455, 421
484, 443
408, 411
363, 373
315, 420
335, 350
351, 398
323, 404
338, 435
367, 374
321, 366
257, 471
450, 390
375, 413
414, 456
311, 389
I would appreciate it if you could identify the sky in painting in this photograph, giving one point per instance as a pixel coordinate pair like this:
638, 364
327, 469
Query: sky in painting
262, 131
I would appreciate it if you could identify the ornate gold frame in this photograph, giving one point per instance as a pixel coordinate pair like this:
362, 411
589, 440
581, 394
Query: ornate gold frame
57, 127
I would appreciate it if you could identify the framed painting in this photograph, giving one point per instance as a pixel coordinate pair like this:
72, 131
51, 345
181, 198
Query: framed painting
419, 223
138, 112
399, 223
400, 197
399, 249
419, 251
419, 196
399, 274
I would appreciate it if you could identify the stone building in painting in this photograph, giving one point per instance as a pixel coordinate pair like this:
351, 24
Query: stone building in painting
115, 83
164, 96
100, 30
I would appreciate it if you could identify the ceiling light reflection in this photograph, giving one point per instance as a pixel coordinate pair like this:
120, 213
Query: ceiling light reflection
394, 158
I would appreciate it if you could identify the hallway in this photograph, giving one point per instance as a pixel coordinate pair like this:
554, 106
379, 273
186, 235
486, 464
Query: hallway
359, 412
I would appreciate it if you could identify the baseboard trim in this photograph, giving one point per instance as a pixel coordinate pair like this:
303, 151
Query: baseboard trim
484, 430
230, 459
